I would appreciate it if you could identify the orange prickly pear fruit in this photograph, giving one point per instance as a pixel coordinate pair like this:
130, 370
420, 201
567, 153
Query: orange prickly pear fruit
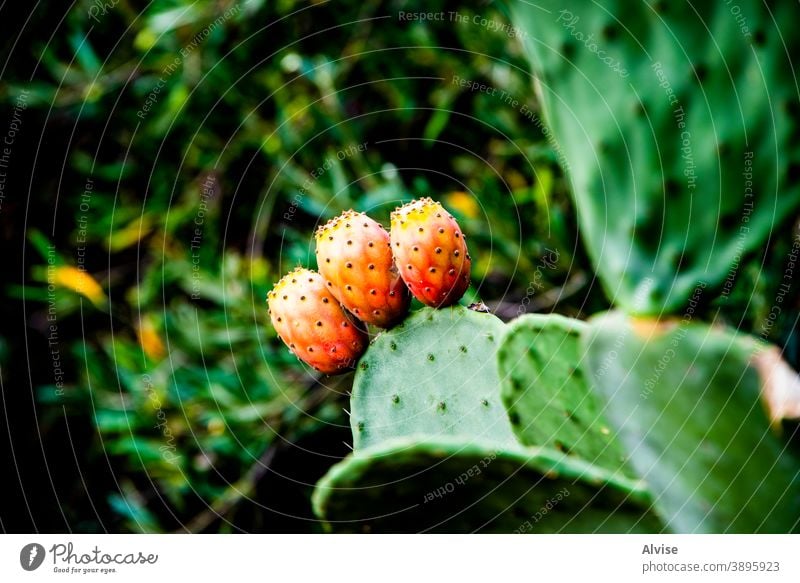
355, 257
313, 325
431, 252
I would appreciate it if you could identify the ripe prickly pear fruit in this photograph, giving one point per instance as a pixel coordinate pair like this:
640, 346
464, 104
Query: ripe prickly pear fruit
313, 325
431, 252
355, 257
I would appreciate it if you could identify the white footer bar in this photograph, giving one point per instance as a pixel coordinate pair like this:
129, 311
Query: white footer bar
401, 558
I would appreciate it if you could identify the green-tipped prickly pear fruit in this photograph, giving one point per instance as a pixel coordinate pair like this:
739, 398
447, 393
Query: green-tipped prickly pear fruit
431, 252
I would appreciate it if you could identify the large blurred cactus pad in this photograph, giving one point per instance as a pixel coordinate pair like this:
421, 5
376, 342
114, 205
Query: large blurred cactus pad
678, 122
699, 410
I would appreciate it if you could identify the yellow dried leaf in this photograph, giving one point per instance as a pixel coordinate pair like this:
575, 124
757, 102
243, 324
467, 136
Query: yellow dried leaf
150, 341
463, 203
80, 282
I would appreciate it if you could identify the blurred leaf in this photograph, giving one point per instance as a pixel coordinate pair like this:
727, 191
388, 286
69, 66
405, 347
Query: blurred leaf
131, 507
436, 124
168, 20
80, 282
110, 421
84, 54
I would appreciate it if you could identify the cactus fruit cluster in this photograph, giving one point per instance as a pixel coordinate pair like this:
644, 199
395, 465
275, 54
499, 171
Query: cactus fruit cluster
366, 277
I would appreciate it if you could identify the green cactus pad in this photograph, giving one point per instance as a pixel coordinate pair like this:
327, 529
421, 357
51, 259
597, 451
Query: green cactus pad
548, 398
687, 402
678, 125
434, 374
445, 485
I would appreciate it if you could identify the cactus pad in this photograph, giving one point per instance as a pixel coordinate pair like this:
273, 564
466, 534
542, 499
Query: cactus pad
687, 401
434, 374
677, 123
548, 398
444, 485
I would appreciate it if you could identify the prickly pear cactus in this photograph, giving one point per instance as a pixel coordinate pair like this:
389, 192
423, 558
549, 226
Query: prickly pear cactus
549, 401
699, 410
434, 374
446, 485
434, 450
678, 129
